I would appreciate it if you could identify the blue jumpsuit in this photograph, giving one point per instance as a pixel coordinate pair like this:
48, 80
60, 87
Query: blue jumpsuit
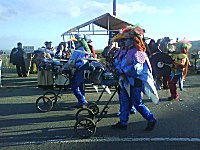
78, 79
134, 75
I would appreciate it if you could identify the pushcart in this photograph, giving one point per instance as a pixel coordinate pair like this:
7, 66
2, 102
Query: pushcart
48, 100
88, 118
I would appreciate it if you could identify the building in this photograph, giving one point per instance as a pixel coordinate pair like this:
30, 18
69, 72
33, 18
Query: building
29, 49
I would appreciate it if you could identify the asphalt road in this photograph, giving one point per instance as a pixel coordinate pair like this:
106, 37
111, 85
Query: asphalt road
22, 126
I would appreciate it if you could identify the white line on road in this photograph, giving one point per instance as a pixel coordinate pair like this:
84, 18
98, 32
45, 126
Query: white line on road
107, 139
113, 139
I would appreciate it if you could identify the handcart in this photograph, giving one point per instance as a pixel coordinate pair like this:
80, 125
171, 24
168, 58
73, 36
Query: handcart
85, 125
48, 100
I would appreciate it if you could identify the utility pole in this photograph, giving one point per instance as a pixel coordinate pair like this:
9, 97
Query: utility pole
114, 13
114, 7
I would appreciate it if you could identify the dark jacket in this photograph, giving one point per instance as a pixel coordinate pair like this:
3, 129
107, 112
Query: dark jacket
17, 56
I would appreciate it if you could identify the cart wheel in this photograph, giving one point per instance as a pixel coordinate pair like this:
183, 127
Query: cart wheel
44, 104
94, 108
84, 113
52, 95
85, 128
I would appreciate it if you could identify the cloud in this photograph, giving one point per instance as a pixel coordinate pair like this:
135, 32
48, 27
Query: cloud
67, 8
50, 9
6, 12
141, 7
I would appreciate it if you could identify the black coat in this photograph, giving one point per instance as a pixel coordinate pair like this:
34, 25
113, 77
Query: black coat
17, 56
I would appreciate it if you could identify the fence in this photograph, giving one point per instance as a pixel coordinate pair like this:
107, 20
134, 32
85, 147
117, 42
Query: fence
6, 65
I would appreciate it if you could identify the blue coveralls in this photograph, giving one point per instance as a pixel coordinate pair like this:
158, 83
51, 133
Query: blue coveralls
135, 99
135, 81
78, 81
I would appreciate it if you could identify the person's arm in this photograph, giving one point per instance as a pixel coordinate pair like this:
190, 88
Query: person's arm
180, 64
93, 51
11, 56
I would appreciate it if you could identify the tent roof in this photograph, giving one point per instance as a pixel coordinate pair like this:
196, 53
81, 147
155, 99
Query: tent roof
105, 21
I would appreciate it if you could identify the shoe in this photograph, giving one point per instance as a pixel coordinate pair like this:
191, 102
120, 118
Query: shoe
25, 75
171, 98
119, 126
132, 112
165, 87
150, 126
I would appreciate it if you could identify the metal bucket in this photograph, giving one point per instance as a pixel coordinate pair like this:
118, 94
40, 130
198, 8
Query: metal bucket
96, 75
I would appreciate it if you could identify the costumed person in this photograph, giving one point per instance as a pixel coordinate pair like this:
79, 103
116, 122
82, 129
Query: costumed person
17, 57
77, 63
163, 46
152, 46
63, 55
179, 68
45, 75
89, 41
60, 52
135, 77
121, 44
66, 50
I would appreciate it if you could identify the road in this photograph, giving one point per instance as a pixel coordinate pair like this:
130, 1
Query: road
22, 126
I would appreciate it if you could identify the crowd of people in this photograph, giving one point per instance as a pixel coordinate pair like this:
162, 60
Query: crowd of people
131, 63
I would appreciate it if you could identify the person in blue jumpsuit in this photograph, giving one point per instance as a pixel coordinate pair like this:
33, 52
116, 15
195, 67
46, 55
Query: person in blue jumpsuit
77, 83
135, 77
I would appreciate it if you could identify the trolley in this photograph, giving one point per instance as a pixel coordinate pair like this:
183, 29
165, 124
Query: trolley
88, 118
48, 100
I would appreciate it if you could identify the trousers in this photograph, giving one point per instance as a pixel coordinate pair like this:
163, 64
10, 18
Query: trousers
21, 67
78, 87
135, 99
172, 86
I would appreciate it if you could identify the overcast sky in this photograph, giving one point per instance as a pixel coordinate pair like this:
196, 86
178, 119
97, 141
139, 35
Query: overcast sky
33, 22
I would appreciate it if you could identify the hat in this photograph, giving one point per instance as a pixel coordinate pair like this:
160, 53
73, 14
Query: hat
47, 42
87, 38
79, 36
119, 37
19, 43
90, 41
73, 39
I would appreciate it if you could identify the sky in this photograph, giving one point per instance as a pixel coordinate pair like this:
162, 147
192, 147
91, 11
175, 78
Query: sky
33, 22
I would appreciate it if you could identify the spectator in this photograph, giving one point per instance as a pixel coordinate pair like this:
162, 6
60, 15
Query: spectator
17, 57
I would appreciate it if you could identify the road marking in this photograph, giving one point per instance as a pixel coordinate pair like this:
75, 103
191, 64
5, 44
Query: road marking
113, 139
107, 139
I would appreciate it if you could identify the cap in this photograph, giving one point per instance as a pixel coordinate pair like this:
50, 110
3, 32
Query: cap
47, 42
19, 43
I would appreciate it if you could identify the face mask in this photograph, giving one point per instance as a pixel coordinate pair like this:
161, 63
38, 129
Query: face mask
77, 44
